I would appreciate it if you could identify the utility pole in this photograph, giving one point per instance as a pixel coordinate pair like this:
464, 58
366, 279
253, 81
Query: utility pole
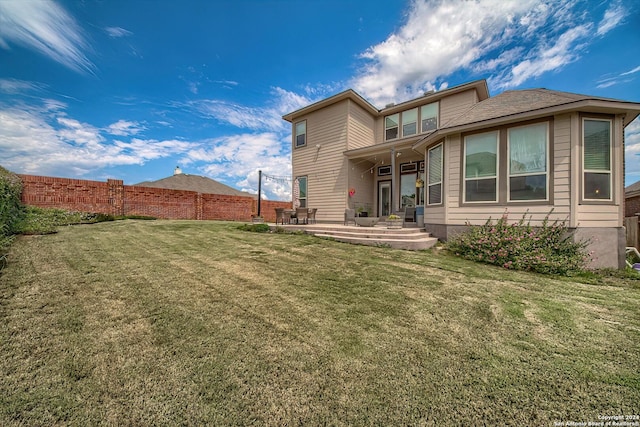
259, 190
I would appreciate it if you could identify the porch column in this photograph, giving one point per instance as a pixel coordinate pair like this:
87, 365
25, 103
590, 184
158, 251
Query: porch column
394, 205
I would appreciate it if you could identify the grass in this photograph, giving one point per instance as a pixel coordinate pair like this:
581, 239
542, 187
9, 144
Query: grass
185, 322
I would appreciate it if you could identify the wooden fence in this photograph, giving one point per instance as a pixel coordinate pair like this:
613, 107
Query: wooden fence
631, 225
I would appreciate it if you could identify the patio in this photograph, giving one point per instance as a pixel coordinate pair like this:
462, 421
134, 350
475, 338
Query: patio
411, 237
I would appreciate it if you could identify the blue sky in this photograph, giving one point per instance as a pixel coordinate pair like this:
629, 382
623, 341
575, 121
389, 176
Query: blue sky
99, 89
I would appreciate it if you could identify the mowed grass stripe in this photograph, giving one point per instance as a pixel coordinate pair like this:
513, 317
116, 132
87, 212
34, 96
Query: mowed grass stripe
185, 322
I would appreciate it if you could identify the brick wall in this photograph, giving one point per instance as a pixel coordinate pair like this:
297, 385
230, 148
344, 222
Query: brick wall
632, 206
112, 197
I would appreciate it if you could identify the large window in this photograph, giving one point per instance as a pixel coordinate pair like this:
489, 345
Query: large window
410, 122
528, 147
302, 182
434, 175
391, 124
596, 135
301, 133
429, 117
481, 167
408, 190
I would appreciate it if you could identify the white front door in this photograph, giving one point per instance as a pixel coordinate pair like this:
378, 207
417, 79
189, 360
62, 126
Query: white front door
384, 198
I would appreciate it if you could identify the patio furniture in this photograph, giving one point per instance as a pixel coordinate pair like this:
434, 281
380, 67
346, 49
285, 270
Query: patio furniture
349, 215
281, 216
301, 215
409, 214
311, 215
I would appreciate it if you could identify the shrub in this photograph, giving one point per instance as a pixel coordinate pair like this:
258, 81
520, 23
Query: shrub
10, 203
547, 249
46, 220
256, 228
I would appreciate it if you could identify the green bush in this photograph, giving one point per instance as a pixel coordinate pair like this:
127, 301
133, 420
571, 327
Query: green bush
46, 220
547, 249
256, 228
10, 203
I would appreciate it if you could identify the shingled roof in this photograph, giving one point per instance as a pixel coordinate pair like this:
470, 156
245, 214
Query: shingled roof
195, 183
527, 104
514, 102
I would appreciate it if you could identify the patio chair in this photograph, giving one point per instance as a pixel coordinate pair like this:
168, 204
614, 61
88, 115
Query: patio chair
311, 215
349, 215
280, 216
301, 215
409, 214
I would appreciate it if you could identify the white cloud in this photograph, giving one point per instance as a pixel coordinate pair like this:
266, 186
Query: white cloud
117, 32
238, 158
267, 118
124, 128
14, 86
45, 141
612, 17
47, 28
512, 41
621, 78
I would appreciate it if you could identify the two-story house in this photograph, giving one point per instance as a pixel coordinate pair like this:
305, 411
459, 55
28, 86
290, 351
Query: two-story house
463, 157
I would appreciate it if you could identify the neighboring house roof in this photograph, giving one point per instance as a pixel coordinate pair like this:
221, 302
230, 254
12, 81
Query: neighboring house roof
199, 184
518, 105
632, 191
479, 85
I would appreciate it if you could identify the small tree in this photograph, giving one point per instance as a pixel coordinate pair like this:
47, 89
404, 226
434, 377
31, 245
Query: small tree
548, 248
10, 204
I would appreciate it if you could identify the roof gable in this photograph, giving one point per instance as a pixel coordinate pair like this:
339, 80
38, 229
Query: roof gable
199, 184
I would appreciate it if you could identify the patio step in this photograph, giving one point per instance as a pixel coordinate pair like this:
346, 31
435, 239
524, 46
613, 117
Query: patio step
405, 238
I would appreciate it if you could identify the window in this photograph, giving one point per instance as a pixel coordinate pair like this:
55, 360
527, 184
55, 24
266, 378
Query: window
301, 133
527, 147
434, 175
481, 167
302, 182
596, 135
408, 167
429, 117
410, 122
408, 190
384, 170
391, 126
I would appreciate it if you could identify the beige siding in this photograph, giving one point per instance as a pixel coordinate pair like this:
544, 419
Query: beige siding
325, 166
457, 215
597, 214
562, 166
454, 105
361, 127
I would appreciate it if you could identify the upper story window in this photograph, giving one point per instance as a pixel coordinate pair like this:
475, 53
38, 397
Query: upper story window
391, 124
429, 117
410, 122
528, 148
301, 133
481, 167
596, 159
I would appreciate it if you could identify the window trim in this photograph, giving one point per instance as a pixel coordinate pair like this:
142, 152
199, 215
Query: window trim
295, 134
306, 198
427, 183
421, 119
397, 126
464, 169
403, 124
547, 160
502, 162
583, 199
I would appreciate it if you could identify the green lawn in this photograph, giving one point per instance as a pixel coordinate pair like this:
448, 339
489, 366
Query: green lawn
185, 322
